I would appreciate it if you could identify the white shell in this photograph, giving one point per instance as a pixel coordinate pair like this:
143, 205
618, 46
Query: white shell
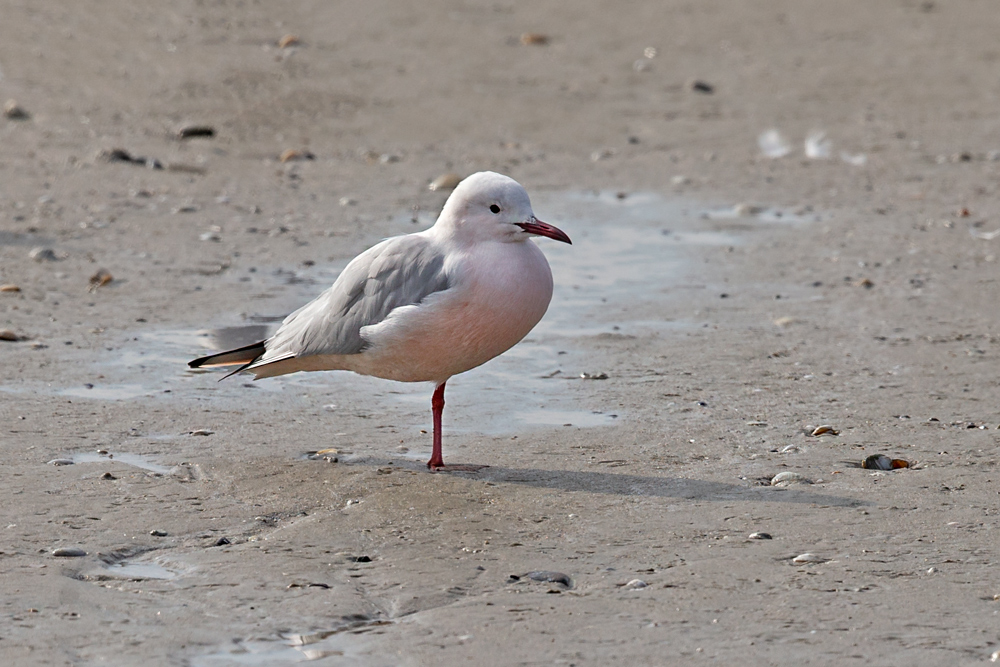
808, 558
773, 145
788, 478
818, 147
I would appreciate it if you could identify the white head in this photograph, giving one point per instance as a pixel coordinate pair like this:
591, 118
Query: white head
490, 206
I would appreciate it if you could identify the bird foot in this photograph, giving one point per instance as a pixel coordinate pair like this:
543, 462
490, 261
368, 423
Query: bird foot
441, 467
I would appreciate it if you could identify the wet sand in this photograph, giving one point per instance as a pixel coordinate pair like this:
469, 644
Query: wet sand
733, 302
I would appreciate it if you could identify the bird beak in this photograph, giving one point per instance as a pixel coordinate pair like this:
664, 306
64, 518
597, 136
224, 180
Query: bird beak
539, 228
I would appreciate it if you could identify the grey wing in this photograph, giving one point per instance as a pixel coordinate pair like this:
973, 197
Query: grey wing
400, 271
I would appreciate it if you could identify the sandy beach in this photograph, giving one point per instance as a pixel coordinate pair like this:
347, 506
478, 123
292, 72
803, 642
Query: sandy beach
784, 216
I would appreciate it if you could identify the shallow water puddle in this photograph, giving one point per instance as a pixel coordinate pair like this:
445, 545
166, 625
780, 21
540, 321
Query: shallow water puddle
291, 649
134, 460
134, 571
631, 249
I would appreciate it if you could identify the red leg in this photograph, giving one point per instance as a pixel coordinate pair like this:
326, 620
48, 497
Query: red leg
437, 407
437, 460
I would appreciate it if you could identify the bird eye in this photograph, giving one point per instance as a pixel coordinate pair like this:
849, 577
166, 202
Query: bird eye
494, 208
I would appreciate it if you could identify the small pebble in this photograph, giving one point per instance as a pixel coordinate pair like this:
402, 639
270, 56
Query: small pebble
42, 254
759, 536
593, 376
68, 552
808, 558
158, 533
7, 334
534, 39
61, 462
445, 182
122, 155
9, 288
192, 131
746, 210
287, 41
702, 87
201, 431
14, 111
108, 475
931, 570
222, 541
635, 583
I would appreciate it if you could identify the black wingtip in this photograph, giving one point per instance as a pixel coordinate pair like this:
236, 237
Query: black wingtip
241, 355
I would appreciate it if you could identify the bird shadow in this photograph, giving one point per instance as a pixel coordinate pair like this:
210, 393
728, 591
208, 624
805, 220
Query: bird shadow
666, 487
631, 485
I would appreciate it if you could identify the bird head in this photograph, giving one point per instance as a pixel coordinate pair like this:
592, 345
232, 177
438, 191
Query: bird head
490, 206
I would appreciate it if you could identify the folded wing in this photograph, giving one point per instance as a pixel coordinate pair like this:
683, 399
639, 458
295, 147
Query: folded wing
401, 271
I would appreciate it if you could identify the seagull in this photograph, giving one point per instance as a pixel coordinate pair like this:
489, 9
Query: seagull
422, 307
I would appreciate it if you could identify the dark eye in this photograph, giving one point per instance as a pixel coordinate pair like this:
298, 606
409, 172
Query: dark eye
494, 208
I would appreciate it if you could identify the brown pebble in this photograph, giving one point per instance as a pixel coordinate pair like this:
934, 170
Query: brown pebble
7, 334
288, 40
99, 279
9, 288
534, 38
14, 111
